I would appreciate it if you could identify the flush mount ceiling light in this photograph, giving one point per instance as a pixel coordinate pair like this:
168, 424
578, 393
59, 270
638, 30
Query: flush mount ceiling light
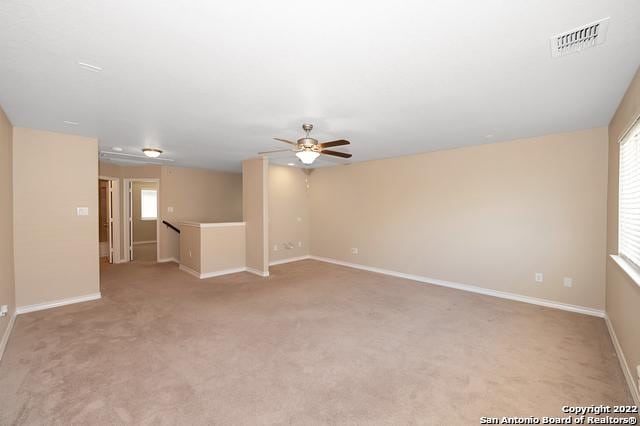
117, 149
290, 164
71, 123
152, 152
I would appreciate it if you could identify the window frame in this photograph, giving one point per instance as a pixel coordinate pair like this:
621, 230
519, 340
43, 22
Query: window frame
631, 268
149, 218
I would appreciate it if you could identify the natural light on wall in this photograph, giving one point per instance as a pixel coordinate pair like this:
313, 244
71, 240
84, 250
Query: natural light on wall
148, 204
629, 213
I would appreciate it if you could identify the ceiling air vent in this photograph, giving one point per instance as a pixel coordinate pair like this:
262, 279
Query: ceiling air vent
578, 39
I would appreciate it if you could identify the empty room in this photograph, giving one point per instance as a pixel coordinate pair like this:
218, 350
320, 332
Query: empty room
341, 213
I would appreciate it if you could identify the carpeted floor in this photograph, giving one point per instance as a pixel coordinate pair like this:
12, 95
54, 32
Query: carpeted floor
312, 344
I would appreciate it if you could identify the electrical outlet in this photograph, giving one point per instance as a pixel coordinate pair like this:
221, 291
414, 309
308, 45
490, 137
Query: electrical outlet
539, 277
299, 243
567, 281
275, 247
299, 219
170, 209
354, 250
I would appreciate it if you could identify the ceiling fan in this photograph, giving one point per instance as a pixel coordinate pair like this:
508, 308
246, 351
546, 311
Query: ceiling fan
307, 149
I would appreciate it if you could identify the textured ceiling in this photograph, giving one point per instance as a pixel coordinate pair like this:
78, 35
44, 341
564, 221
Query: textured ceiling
211, 83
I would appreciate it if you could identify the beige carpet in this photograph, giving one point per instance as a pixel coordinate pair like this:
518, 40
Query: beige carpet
312, 344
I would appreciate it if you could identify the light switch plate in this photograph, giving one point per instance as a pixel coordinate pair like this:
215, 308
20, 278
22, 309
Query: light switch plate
567, 282
82, 211
170, 209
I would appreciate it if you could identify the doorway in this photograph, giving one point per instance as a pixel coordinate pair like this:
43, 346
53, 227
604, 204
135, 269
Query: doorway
142, 209
108, 214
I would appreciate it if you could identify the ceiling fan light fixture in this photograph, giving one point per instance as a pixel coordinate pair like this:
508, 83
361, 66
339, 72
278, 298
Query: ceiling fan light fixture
307, 156
152, 152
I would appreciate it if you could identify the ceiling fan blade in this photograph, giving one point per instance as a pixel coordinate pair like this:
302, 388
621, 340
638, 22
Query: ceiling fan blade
285, 141
333, 143
335, 153
277, 150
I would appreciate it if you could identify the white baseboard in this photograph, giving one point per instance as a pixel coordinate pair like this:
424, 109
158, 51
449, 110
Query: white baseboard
211, 274
135, 243
631, 382
6, 335
223, 272
471, 288
257, 272
289, 260
168, 259
56, 303
189, 271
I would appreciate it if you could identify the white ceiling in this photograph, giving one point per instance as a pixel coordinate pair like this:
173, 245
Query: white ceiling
212, 82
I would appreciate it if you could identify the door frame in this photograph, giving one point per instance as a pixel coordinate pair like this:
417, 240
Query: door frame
115, 215
126, 197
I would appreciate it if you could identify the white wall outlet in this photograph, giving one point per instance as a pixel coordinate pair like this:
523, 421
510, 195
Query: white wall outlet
3, 310
170, 209
354, 250
539, 277
299, 219
275, 247
567, 281
299, 243
82, 211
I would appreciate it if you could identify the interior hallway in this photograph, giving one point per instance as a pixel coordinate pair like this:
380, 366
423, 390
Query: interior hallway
313, 343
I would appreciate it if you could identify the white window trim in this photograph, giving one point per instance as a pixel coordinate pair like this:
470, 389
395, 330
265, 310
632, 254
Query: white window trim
632, 271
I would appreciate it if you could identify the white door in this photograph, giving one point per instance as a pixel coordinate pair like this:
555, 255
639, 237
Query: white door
130, 220
110, 219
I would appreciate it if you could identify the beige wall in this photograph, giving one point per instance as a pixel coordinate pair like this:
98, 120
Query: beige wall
222, 248
143, 230
56, 251
199, 195
7, 283
194, 194
190, 247
288, 213
623, 295
490, 215
212, 249
255, 204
